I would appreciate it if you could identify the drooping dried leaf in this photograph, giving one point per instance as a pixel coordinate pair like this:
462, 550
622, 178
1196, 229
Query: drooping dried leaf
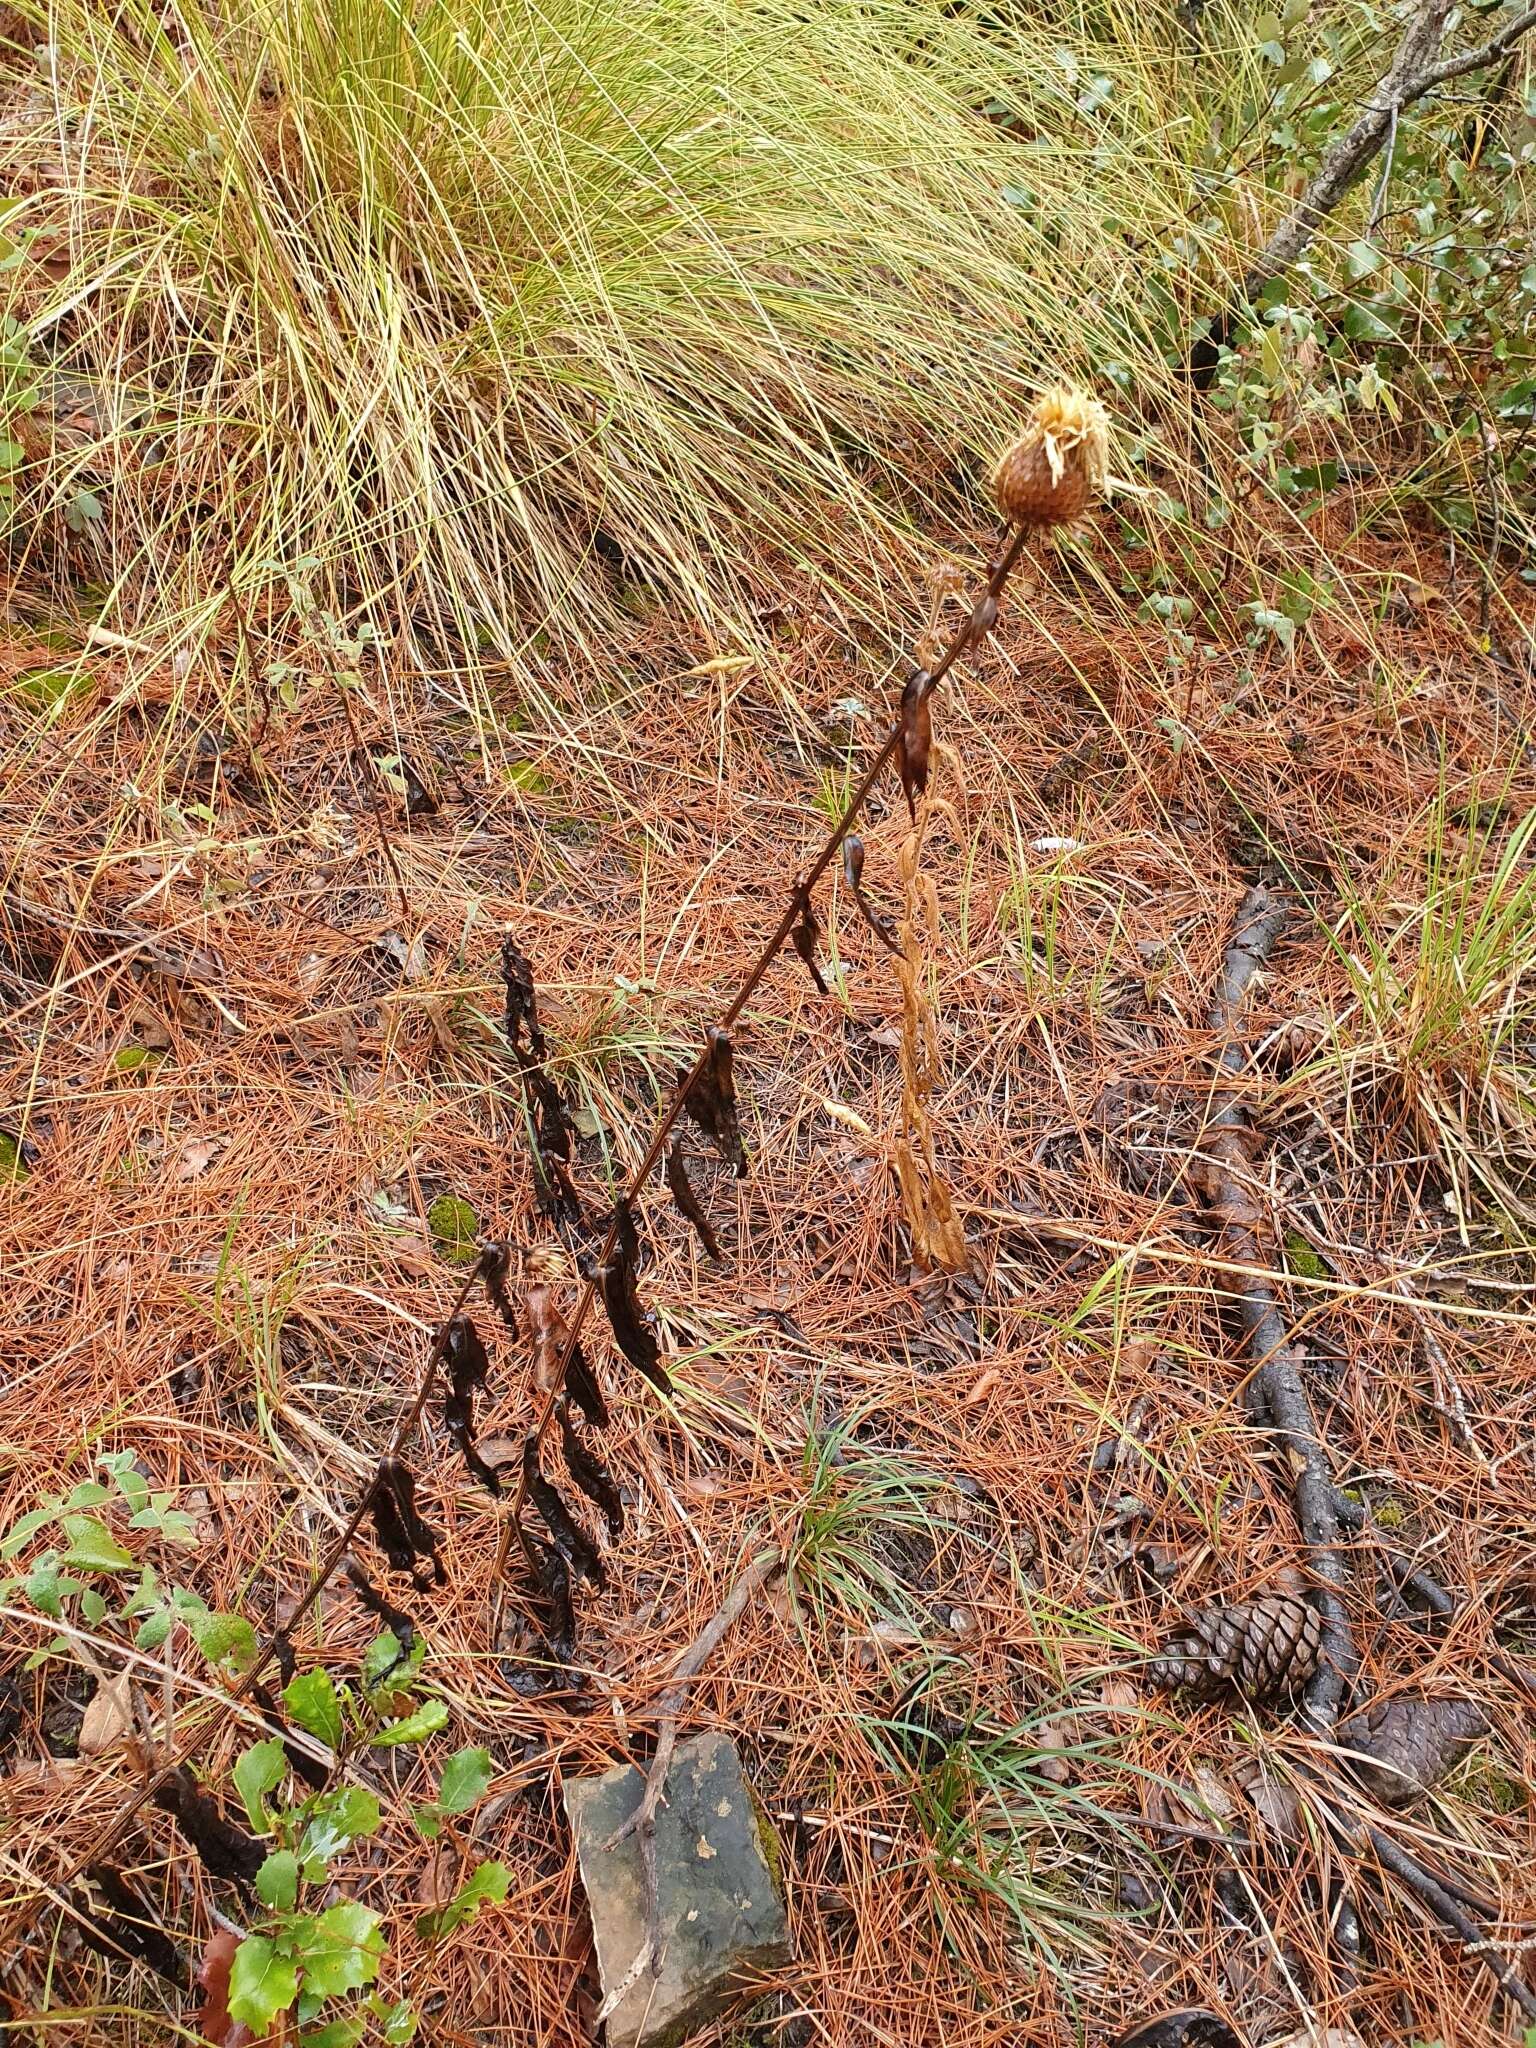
554, 1584
420, 1534
549, 1334
314, 1773
631, 1328
213, 2017
853, 872
570, 1539
591, 1475
916, 742
686, 1197
401, 1533
226, 1850
711, 1101
122, 1923
495, 1272
804, 936
521, 1014
383, 1609
468, 1367
1405, 1746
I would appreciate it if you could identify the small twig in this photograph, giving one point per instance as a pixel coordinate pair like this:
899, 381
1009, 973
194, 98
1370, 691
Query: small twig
1276, 1392
1451, 1914
642, 1821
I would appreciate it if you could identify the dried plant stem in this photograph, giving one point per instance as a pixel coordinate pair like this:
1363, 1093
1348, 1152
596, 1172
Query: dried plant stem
1449, 1911
938, 1237
642, 1821
165, 1770
1276, 1393
979, 621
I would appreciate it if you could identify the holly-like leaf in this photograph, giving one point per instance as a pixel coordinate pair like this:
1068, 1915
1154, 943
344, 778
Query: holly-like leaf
428, 1718
312, 1701
258, 1771
277, 1881
342, 2033
336, 1819
262, 1983
489, 1882
223, 1638
92, 1546
341, 1952
465, 1777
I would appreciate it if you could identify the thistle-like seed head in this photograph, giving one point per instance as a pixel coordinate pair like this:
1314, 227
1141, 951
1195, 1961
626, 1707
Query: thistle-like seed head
1058, 465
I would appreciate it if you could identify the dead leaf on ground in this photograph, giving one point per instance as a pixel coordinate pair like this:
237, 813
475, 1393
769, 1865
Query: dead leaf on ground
108, 1717
213, 2020
197, 1155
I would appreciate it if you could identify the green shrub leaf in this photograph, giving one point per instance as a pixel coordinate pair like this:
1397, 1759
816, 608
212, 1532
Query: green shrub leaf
262, 1983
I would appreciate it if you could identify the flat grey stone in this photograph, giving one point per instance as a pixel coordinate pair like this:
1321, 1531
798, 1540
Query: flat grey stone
722, 1919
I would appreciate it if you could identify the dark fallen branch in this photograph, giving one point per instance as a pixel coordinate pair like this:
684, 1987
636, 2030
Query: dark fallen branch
1451, 1914
1276, 1395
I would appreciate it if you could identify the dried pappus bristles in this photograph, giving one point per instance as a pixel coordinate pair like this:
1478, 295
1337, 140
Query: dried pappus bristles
1058, 465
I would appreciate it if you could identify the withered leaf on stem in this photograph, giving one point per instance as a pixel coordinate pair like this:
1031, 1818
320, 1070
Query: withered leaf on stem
220, 1846
591, 1475
803, 936
554, 1583
378, 1604
570, 1539
853, 870
916, 737
711, 1102
521, 1014
496, 1267
548, 1330
632, 1331
468, 1367
687, 1200
402, 1534
126, 1924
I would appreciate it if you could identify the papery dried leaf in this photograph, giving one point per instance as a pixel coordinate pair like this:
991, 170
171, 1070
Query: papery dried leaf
853, 872
570, 1539
521, 1016
554, 1583
711, 1101
804, 936
213, 2017
124, 1924
591, 1475
314, 1773
916, 743
687, 1200
220, 1846
381, 1607
401, 1533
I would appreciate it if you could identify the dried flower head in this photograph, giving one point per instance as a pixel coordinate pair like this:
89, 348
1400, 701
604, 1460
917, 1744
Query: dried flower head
1059, 464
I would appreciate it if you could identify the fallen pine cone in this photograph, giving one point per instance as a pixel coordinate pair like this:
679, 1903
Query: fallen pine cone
1263, 1647
1404, 1747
